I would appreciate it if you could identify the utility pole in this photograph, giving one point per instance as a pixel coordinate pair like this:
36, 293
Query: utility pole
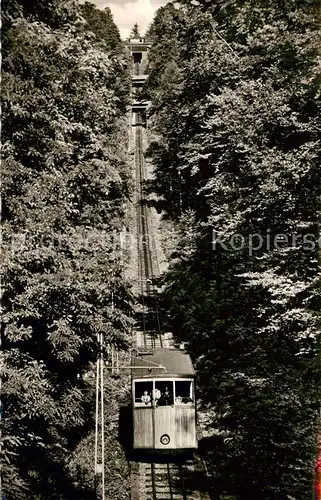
100, 465
100, 444
1, 410
1, 404
180, 191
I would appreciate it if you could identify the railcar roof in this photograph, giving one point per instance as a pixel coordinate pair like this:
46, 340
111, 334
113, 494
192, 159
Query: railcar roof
176, 362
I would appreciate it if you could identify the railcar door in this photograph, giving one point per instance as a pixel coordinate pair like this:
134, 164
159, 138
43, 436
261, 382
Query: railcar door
164, 414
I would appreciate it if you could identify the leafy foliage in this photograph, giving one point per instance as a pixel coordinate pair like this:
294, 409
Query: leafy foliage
101, 23
65, 182
236, 150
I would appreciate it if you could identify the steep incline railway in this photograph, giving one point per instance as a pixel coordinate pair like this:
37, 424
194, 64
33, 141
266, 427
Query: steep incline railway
155, 477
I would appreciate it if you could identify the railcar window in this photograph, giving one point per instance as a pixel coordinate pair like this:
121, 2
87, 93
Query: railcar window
184, 392
164, 389
143, 393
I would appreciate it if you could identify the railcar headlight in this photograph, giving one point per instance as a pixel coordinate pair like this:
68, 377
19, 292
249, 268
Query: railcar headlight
165, 439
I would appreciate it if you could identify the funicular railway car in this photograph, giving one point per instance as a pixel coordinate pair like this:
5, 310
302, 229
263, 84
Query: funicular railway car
163, 400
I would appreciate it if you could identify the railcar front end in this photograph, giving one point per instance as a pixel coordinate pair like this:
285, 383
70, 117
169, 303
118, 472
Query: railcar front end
164, 410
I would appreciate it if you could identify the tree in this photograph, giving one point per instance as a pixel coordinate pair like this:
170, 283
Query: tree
135, 32
236, 147
100, 22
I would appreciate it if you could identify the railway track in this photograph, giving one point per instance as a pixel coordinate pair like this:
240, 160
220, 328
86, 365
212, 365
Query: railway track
147, 267
149, 341
164, 481
170, 481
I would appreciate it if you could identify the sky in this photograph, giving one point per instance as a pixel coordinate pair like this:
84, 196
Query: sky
127, 13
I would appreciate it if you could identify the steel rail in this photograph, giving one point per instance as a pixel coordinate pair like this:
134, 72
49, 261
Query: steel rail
169, 481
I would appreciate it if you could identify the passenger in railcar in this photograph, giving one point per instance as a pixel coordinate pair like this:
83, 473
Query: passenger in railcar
156, 395
146, 398
166, 398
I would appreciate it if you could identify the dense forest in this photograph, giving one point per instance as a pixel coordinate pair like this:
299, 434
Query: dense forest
234, 123
235, 117
65, 183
